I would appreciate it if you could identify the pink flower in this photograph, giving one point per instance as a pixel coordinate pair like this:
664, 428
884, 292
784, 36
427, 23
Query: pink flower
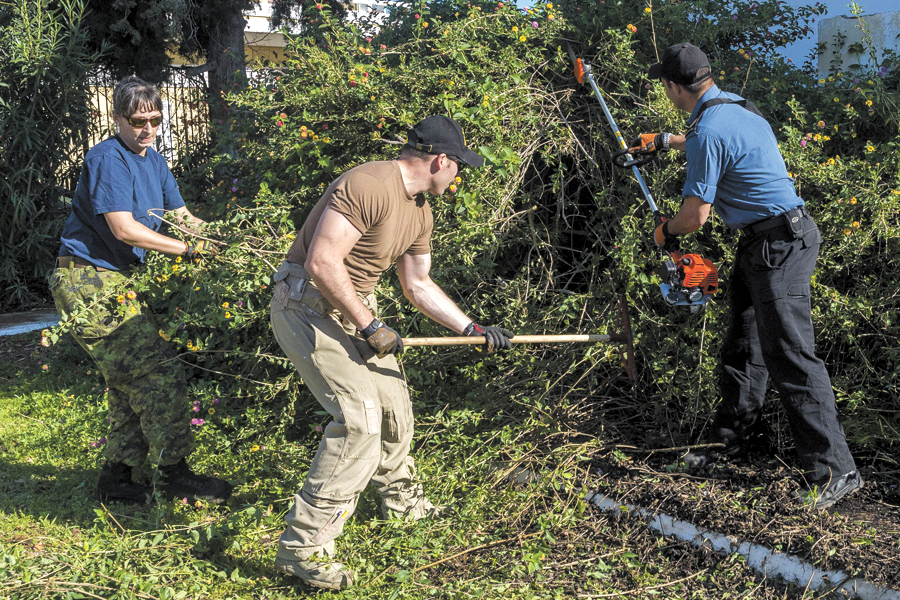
535, 24
803, 143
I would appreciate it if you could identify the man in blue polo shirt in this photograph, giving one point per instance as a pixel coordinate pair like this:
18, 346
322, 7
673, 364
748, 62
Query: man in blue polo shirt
734, 164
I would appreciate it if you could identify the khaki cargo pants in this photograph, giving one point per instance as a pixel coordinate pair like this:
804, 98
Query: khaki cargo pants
371, 430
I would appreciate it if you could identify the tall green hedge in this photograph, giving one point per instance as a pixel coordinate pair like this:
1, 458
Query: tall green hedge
44, 104
544, 238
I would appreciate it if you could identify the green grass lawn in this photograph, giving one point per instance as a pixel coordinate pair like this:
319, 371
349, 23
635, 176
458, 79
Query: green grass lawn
535, 540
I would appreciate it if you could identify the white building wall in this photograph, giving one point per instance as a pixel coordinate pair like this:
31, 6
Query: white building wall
884, 29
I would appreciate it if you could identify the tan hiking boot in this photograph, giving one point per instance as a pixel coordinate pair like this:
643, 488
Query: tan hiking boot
329, 575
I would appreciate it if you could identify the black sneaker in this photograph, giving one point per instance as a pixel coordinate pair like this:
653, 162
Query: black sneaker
819, 497
178, 481
115, 485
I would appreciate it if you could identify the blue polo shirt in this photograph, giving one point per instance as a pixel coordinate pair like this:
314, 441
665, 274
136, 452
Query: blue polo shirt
733, 163
113, 179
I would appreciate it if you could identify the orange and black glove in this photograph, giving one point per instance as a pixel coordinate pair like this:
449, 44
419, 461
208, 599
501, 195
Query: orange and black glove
198, 251
382, 338
661, 236
649, 143
495, 338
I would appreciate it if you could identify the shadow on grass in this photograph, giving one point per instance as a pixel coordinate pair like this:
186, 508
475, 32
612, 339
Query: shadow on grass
51, 492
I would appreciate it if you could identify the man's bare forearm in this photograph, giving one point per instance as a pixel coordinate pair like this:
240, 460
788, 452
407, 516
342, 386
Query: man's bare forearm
431, 301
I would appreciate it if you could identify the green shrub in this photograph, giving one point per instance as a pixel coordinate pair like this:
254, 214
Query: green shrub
44, 102
544, 238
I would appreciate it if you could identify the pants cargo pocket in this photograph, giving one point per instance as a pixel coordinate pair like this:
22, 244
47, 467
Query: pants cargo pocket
390, 429
373, 416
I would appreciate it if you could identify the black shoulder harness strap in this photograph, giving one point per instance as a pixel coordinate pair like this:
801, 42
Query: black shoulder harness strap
746, 104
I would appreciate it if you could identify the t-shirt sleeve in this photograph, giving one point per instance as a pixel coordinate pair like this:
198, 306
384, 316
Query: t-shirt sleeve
705, 166
422, 244
171, 194
111, 185
362, 199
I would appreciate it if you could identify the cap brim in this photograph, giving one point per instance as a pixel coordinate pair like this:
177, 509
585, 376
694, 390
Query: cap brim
473, 159
655, 71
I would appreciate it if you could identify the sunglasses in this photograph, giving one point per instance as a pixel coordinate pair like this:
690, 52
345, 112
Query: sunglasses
138, 123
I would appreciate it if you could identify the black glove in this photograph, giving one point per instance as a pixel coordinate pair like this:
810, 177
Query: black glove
661, 236
496, 338
382, 338
196, 252
649, 143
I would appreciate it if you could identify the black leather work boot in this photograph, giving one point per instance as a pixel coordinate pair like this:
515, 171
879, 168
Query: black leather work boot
178, 481
115, 485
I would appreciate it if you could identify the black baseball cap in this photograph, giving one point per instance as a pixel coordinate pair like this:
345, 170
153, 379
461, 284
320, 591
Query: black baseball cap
442, 135
682, 63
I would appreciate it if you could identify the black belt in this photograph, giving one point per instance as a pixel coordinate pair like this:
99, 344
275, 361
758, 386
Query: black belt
776, 221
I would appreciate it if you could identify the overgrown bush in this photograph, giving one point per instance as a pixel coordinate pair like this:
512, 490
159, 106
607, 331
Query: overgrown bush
544, 238
44, 103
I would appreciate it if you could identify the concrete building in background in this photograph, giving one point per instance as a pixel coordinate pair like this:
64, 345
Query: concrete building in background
842, 41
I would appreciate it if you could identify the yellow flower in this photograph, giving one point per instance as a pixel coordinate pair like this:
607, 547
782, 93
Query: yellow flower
458, 180
227, 315
648, 10
178, 260
826, 138
130, 295
452, 188
198, 504
485, 103
852, 200
254, 448
189, 344
163, 335
870, 148
522, 38
817, 137
175, 268
847, 232
895, 192
133, 310
821, 81
120, 299
549, 5
515, 29
211, 410
830, 161
871, 82
855, 225
837, 99
225, 305
868, 103
549, 17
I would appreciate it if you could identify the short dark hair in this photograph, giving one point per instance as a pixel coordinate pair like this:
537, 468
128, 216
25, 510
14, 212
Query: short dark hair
695, 88
703, 73
132, 94
408, 150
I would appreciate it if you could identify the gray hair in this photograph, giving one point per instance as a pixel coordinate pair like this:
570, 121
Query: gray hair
132, 94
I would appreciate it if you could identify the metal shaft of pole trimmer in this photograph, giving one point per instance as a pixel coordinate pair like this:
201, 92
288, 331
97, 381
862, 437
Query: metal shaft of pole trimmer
622, 144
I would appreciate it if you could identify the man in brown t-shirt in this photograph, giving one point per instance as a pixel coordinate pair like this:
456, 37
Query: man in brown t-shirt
324, 318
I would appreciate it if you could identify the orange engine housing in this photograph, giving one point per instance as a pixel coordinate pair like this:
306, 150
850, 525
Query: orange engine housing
694, 271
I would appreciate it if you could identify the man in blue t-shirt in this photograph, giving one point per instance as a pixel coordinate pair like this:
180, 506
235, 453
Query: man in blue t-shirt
734, 164
124, 188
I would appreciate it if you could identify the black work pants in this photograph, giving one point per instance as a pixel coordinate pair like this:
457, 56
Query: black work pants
771, 334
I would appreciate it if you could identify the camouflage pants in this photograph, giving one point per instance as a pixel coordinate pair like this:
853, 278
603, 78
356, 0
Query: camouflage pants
148, 409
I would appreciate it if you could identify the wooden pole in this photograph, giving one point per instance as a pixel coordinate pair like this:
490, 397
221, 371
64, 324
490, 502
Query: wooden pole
477, 340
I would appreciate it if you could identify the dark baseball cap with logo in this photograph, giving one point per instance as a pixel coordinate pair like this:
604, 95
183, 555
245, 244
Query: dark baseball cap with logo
442, 135
682, 63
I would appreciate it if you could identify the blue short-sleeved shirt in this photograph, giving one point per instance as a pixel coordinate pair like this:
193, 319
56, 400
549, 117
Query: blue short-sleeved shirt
733, 163
114, 179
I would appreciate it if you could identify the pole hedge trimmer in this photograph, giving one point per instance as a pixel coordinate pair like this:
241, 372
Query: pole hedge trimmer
687, 279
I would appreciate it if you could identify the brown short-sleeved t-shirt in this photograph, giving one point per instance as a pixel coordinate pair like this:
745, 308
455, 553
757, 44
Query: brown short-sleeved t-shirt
374, 199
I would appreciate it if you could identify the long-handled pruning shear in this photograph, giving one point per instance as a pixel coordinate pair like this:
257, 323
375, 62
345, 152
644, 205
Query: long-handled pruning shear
687, 279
